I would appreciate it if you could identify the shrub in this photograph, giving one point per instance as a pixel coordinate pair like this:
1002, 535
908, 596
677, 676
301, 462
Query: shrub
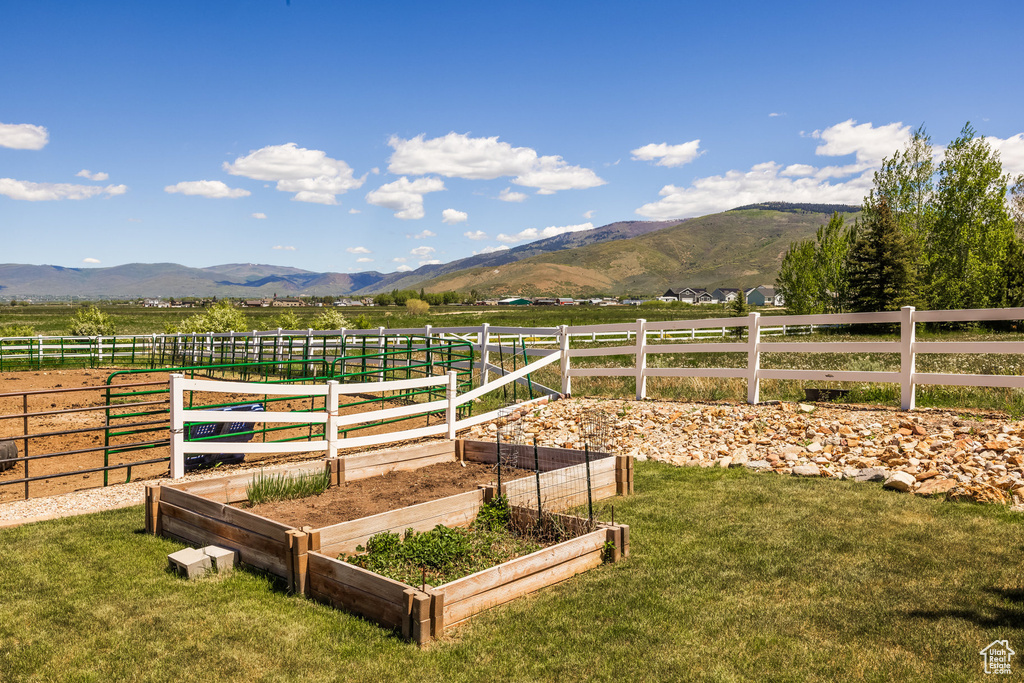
221, 317
91, 322
330, 319
417, 306
288, 321
17, 331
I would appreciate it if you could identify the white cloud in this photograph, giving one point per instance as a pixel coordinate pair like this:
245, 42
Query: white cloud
403, 269
309, 173
404, 196
259, 214
535, 234
399, 259
871, 144
98, 175
212, 189
770, 181
364, 259
763, 182
431, 262
1011, 152
90, 260
451, 216
475, 235
353, 211
423, 235
507, 195
283, 248
588, 214
43, 192
23, 136
459, 156
358, 250
491, 250
776, 114
422, 251
668, 155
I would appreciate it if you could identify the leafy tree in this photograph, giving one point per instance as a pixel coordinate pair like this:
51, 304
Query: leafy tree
881, 266
363, 322
417, 306
905, 182
384, 299
830, 264
91, 322
287, 320
972, 229
1017, 206
17, 331
330, 319
797, 280
221, 317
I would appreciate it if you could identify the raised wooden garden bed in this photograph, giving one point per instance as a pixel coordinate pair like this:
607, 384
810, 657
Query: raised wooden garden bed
201, 513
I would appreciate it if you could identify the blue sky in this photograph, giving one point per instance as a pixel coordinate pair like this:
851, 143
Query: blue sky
378, 136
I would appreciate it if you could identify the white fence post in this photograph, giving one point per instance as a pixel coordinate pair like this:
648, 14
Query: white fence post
332, 418
908, 336
450, 412
753, 358
641, 359
382, 348
563, 343
177, 427
483, 338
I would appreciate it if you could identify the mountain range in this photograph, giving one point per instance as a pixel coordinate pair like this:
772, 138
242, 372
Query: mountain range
739, 248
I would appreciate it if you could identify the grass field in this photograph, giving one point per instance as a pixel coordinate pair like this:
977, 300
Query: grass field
733, 576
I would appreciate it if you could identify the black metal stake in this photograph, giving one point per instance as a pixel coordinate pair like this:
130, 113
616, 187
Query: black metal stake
590, 497
536, 470
499, 461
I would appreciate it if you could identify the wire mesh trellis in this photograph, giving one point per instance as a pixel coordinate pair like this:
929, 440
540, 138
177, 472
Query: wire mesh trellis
562, 479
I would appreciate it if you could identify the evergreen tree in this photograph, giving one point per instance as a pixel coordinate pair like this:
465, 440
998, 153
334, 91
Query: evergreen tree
972, 229
881, 267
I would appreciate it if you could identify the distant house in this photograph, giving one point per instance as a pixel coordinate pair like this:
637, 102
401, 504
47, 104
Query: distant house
287, 302
156, 303
725, 294
514, 301
256, 303
764, 296
701, 296
565, 301
687, 295
545, 301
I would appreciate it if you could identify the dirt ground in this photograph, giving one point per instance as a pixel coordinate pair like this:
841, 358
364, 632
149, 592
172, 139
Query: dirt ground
392, 491
83, 429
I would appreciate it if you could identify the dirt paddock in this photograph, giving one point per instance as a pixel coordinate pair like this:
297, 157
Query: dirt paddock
83, 428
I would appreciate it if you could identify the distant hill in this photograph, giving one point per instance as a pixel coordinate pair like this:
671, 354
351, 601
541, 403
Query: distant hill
258, 280
739, 248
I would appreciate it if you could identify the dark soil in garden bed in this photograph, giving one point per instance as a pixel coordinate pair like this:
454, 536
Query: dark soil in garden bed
374, 495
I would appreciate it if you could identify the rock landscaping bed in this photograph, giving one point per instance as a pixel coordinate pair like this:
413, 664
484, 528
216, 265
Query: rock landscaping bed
957, 454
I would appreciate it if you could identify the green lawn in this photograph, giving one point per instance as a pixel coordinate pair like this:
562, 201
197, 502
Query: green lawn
733, 576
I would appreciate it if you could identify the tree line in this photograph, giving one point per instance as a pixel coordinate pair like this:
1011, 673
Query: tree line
946, 235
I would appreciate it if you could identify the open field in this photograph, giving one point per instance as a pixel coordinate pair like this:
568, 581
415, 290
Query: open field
733, 576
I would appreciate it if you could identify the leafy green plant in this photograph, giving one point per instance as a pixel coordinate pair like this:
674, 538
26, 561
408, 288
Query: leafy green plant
330, 319
91, 322
264, 488
221, 317
417, 306
494, 515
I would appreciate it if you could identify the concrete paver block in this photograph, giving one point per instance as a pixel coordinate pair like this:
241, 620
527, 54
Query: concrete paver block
190, 563
224, 560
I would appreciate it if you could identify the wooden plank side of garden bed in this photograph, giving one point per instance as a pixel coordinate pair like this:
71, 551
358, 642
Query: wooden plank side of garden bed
355, 467
550, 458
351, 599
231, 489
467, 608
267, 560
457, 510
361, 579
275, 531
519, 568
